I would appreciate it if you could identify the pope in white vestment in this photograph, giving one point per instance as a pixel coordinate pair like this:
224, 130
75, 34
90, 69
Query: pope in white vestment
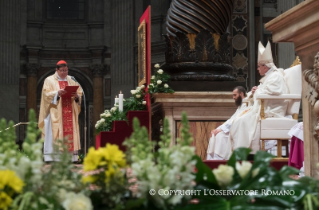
58, 116
245, 130
219, 137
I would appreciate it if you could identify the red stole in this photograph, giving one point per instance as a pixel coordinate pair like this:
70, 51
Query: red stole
67, 117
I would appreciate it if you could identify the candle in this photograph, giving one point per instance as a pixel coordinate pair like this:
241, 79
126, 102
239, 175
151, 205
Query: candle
121, 102
116, 100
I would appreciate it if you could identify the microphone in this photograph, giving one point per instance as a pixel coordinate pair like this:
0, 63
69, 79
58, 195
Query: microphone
85, 128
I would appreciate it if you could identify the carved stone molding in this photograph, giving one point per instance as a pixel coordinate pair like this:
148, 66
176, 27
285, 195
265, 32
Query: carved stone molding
98, 70
312, 78
32, 69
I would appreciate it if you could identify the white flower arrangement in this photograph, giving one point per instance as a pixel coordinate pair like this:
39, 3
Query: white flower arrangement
26, 164
77, 202
224, 174
172, 170
136, 101
158, 83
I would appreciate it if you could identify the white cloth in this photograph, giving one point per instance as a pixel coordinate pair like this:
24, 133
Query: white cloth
214, 157
48, 153
244, 128
297, 131
217, 143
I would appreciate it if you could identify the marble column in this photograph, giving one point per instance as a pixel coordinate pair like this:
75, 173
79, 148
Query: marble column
10, 33
97, 70
252, 49
286, 51
32, 74
300, 25
123, 76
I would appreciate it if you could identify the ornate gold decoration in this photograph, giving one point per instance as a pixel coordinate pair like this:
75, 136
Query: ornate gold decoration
296, 62
141, 34
262, 109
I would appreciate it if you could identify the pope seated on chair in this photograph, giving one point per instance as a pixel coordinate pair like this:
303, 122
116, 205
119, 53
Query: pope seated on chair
245, 129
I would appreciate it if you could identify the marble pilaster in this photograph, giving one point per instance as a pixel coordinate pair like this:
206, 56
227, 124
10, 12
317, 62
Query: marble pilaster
98, 71
10, 25
286, 51
32, 74
300, 25
122, 45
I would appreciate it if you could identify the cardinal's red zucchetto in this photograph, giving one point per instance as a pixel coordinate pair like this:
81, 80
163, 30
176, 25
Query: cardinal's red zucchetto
61, 62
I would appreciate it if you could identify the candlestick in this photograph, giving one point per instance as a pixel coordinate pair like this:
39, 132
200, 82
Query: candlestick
116, 100
121, 102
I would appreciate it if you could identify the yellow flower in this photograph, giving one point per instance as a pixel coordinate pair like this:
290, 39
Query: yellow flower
9, 178
112, 154
90, 179
109, 158
92, 160
5, 201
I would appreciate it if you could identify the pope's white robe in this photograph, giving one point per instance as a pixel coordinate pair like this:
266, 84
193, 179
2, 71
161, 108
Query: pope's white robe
50, 116
216, 146
245, 130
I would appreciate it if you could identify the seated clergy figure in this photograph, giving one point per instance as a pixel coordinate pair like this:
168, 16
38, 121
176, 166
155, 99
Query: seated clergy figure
219, 136
245, 129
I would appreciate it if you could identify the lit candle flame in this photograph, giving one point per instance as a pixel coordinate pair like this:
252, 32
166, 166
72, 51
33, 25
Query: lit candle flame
116, 96
120, 92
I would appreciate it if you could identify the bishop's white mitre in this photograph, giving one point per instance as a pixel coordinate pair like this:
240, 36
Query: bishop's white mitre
264, 54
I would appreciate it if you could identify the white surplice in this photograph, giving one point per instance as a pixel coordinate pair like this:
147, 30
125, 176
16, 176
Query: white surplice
245, 130
215, 149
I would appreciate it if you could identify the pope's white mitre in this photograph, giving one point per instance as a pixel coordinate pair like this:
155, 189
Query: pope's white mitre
264, 54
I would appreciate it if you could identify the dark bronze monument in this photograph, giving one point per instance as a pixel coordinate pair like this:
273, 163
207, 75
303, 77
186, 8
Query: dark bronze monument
198, 45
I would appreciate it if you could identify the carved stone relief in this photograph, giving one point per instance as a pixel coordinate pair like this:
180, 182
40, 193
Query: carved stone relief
32, 69
312, 78
98, 70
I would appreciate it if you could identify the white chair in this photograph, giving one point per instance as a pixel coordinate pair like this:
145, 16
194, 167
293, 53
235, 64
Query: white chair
278, 128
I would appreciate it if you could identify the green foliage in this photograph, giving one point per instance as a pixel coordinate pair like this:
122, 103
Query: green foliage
138, 144
267, 181
159, 82
137, 101
186, 137
107, 119
8, 147
170, 167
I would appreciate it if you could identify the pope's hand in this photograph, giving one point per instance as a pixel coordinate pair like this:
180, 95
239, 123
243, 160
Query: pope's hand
61, 92
215, 132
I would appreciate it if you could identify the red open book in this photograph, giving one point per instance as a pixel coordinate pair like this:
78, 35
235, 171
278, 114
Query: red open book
69, 90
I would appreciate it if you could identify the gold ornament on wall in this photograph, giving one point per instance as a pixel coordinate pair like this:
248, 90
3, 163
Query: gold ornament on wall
141, 33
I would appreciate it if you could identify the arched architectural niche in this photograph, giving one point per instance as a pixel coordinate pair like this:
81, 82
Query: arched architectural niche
83, 79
